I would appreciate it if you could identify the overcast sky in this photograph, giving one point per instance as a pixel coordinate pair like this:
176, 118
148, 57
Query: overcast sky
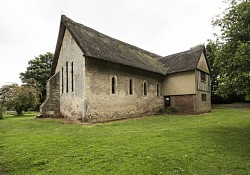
29, 28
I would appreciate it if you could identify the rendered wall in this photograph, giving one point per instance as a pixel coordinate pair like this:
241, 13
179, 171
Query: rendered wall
179, 83
102, 105
202, 64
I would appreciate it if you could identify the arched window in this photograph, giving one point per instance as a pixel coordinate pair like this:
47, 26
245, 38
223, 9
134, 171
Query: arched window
113, 81
145, 88
130, 86
157, 90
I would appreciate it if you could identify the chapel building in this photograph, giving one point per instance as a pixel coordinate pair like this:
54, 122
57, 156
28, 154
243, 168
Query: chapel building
98, 78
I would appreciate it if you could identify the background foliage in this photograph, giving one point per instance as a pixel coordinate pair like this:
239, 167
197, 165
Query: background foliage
229, 55
18, 98
38, 72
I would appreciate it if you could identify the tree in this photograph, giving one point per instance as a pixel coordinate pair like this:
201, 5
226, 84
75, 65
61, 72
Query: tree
4, 96
211, 50
21, 98
233, 49
38, 72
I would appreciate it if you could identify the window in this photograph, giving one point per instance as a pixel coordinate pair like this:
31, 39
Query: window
130, 87
67, 77
145, 88
203, 97
72, 76
157, 90
203, 76
113, 85
62, 80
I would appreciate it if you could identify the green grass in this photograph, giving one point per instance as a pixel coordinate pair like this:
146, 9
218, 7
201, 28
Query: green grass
215, 143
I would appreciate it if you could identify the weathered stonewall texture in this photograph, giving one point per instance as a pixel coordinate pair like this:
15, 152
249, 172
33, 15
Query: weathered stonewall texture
72, 103
51, 105
103, 105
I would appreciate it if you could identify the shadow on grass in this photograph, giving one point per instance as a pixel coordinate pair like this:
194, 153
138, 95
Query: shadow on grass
234, 140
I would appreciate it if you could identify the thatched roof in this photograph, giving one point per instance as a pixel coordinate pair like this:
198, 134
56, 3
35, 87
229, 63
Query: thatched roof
183, 61
97, 45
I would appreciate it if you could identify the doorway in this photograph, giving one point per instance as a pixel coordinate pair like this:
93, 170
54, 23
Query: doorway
167, 101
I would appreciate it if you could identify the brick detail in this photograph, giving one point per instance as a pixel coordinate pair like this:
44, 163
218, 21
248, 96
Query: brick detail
184, 103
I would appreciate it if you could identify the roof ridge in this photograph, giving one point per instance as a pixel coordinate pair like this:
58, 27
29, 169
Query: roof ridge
66, 19
200, 47
182, 61
101, 46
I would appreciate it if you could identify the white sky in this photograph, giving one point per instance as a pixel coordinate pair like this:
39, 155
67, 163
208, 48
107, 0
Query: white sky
29, 28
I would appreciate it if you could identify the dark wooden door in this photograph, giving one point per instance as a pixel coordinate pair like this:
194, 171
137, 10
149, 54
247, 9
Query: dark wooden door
167, 101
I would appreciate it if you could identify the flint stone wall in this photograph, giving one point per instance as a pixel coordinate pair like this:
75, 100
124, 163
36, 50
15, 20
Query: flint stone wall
51, 105
102, 105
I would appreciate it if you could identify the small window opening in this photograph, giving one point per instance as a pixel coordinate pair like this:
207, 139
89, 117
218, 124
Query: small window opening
72, 76
145, 88
62, 80
113, 85
130, 87
203, 76
157, 90
67, 77
203, 97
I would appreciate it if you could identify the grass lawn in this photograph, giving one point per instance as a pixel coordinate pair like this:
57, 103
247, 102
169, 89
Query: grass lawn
214, 143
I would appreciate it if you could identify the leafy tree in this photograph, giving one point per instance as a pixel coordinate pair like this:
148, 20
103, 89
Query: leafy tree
38, 72
233, 49
21, 98
211, 50
4, 96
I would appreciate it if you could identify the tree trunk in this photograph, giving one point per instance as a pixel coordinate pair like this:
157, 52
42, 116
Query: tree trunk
19, 111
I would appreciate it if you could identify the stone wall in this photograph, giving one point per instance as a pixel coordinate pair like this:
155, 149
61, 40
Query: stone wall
72, 102
51, 105
203, 106
102, 105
